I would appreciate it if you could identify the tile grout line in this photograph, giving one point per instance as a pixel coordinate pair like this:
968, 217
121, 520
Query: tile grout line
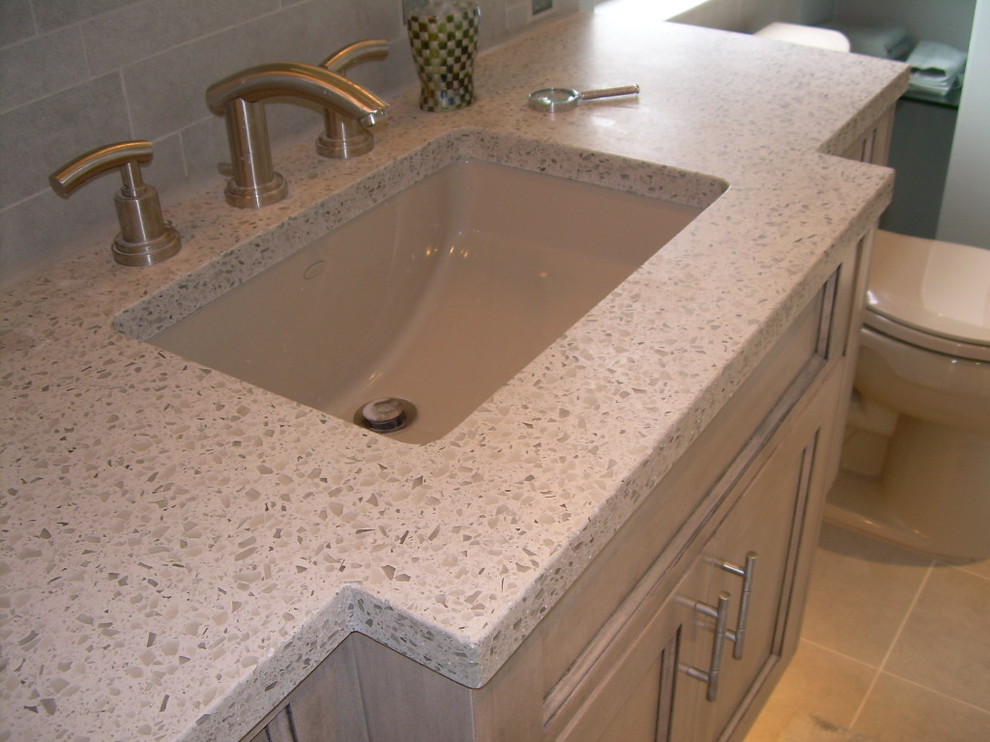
967, 568
893, 643
939, 693
837, 653
127, 102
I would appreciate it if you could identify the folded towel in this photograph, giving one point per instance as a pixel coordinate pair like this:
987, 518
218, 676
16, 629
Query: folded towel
936, 68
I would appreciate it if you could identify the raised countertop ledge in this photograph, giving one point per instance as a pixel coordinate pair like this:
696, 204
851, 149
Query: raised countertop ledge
180, 549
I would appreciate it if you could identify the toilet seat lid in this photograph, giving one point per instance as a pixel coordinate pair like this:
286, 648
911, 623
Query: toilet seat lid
933, 288
822, 38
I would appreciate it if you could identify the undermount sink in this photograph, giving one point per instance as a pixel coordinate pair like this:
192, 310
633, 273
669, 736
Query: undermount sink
439, 295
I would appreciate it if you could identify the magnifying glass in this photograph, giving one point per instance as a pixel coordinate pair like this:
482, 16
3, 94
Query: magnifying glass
554, 100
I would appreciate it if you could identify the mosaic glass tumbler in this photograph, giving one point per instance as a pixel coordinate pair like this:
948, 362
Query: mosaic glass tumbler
444, 41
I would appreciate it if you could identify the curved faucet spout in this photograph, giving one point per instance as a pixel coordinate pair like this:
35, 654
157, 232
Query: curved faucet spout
307, 82
240, 99
360, 51
344, 137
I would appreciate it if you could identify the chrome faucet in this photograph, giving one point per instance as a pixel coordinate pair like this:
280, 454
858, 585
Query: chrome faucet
240, 99
343, 136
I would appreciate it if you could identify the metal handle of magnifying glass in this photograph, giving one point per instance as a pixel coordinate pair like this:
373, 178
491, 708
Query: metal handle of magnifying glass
609, 92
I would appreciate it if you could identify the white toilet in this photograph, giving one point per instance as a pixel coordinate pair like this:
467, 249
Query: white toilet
916, 457
916, 460
821, 38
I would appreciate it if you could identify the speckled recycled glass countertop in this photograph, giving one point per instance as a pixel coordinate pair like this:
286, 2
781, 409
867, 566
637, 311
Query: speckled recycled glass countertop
179, 548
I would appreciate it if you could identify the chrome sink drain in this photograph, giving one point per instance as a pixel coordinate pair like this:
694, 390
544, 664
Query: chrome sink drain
388, 415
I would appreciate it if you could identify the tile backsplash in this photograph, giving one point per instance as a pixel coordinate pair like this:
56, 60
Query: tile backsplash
78, 74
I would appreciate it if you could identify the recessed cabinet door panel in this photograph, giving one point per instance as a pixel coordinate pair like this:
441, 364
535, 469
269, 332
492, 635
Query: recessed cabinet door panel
752, 560
279, 729
764, 530
639, 717
693, 656
641, 696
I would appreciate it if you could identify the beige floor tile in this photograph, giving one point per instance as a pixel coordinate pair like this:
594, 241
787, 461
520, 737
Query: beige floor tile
981, 568
945, 643
944, 647
817, 682
899, 711
860, 592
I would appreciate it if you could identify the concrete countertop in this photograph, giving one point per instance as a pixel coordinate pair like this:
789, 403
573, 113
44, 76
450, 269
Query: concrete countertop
180, 549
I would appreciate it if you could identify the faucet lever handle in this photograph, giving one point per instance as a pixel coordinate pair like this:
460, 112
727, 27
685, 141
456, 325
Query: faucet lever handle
127, 156
343, 138
145, 238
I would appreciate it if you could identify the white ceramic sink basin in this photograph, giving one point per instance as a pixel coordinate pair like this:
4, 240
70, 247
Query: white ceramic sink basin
438, 295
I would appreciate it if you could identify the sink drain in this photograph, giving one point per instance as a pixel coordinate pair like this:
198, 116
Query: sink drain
388, 415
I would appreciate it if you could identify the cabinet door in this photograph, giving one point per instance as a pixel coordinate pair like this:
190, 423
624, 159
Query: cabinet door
325, 707
637, 694
279, 729
654, 711
753, 558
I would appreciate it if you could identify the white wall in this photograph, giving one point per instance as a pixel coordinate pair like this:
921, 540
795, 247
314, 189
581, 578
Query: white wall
965, 215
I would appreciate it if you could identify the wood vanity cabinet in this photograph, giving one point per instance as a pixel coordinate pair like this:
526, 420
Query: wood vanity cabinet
693, 661
678, 629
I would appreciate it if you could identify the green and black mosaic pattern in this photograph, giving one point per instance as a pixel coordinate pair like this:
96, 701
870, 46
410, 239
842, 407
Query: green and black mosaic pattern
444, 44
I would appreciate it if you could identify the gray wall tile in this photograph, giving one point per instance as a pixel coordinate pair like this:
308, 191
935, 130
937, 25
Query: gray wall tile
492, 22
45, 228
167, 169
16, 21
139, 31
381, 18
40, 137
167, 91
31, 70
204, 145
52, 14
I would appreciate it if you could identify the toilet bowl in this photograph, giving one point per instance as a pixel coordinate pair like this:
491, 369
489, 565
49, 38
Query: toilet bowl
916, 457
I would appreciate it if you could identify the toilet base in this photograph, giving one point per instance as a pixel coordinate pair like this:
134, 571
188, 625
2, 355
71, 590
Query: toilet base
856, 502
932, 494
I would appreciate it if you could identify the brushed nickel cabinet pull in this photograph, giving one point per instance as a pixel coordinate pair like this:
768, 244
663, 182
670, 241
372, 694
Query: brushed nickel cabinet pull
720, 612
747, 572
